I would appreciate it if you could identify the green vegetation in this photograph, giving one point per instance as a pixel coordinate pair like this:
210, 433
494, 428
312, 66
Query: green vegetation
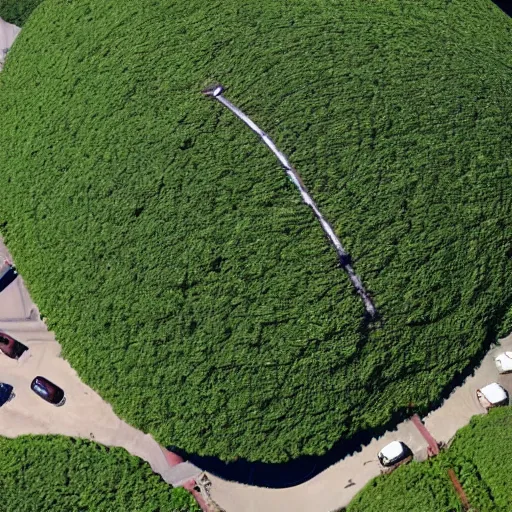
60, 474
185, 280
17, 11
481, 457
422, 487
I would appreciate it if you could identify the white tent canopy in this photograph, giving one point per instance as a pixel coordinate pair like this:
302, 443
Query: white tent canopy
8, 33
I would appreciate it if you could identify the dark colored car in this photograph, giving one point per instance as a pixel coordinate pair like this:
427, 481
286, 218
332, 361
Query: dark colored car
10, 347
5, 393
48, 391
7, 275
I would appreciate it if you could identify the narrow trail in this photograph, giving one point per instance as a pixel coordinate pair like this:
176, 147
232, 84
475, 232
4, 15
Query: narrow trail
343, 256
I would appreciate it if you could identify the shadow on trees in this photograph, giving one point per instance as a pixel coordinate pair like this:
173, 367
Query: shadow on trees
504, 5
304, 468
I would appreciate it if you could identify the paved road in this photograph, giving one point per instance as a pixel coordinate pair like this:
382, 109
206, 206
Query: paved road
8, 34
337, 485
84, 414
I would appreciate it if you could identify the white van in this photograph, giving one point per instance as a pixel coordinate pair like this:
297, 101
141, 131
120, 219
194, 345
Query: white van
492, 395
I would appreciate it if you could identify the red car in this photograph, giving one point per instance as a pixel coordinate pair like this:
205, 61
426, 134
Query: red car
10, 347
48, 391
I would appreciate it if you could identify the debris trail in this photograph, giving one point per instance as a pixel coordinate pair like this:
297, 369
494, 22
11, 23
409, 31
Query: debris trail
344, 258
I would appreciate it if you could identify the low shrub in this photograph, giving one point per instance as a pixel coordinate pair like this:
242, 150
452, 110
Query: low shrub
61, 474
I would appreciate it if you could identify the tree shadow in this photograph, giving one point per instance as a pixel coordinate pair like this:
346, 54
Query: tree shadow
302, 469
505, 6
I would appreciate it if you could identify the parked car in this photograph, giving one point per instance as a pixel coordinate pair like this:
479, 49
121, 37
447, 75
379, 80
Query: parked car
6, 393
394, 454
504, 362
492, 395
10, 347
7, 275
48, 391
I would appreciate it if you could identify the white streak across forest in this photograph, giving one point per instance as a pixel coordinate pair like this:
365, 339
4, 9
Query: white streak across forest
344, 258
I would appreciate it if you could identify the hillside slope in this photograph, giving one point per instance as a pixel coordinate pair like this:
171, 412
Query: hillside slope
185, 280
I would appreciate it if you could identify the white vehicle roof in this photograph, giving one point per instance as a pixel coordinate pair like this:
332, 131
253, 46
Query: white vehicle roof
392, 450
505, 358
494, 393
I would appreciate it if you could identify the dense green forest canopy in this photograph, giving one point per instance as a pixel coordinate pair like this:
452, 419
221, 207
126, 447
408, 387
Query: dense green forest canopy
177, 266
481, 457
61, 474
17, 11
